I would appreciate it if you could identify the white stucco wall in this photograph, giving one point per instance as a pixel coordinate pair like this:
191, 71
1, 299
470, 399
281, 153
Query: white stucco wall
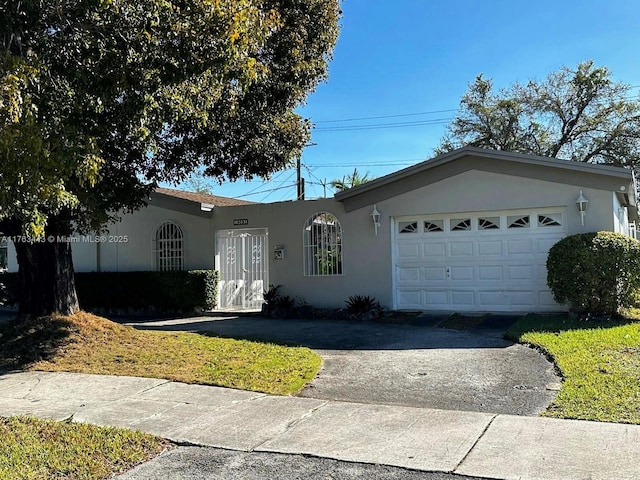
368, 264
367, 257
129, 243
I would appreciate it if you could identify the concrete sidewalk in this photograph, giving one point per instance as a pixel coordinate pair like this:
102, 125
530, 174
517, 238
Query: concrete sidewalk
466, 443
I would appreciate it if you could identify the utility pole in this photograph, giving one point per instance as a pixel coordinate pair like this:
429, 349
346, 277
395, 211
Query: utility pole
299, 181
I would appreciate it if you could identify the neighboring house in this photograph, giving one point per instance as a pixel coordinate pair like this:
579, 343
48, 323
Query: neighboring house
467, 231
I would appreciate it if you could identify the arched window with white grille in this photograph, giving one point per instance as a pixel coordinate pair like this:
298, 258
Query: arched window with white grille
168, 248
322, 245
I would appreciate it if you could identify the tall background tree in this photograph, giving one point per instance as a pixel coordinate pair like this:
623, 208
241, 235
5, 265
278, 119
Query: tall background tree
102, 99
575, 114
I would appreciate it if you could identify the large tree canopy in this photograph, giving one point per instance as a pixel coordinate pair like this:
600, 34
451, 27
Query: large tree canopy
102, 99
579, 114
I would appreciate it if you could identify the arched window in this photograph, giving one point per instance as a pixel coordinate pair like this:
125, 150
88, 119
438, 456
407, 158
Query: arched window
168, 248
322, 237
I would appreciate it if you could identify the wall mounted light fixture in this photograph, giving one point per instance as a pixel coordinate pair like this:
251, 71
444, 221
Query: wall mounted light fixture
375, 216
582, 204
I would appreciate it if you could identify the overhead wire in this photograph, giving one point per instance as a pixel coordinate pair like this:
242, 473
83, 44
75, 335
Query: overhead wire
279, 188
263, 183
348, 128
386, 116
415, 123
364, 127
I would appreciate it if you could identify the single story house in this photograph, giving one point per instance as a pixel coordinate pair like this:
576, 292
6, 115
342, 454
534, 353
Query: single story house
467, 231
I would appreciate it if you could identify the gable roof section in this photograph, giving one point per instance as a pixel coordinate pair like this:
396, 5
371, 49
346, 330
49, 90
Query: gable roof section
605, 177
202, 198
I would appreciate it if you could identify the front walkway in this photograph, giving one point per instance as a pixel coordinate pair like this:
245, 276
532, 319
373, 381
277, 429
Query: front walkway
468, 443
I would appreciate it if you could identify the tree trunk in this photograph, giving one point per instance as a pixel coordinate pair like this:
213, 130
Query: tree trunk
45, 275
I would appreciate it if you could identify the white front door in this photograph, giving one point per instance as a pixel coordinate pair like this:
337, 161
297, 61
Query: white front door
243, 265
476, 262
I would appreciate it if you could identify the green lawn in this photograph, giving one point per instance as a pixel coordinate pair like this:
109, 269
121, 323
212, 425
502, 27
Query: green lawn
84, 343
599, 360
40, 449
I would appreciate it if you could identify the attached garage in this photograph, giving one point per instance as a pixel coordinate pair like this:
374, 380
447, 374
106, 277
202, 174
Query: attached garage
470, 231
477, 261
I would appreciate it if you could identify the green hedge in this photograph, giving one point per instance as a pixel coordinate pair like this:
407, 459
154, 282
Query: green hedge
596, 272
164, 291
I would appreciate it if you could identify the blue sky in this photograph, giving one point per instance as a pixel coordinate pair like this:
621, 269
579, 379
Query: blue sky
397, 59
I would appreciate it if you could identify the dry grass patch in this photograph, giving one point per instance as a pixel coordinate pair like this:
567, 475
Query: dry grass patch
41, 449
84, 343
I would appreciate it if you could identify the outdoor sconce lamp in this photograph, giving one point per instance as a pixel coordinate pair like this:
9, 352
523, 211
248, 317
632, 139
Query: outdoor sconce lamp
375, 216
582, 204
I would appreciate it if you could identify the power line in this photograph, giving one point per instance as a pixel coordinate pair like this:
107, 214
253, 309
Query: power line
280, 188
435, 121
372, 164
264, 191
376, 126
386, 116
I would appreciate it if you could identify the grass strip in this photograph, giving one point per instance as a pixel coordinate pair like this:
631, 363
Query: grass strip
599, 361
42, 449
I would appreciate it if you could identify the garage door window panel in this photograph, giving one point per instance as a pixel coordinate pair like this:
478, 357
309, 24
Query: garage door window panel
408, 227
550, 220
431, 226
460, 224
489, 223
518, 221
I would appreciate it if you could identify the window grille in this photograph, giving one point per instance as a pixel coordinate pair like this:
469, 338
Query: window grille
322, 237
168, 248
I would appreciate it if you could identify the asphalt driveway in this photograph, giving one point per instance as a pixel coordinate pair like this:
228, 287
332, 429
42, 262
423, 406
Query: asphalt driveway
408, 365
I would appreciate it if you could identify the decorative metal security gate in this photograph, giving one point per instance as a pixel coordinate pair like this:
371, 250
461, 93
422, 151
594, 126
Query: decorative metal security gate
244, 270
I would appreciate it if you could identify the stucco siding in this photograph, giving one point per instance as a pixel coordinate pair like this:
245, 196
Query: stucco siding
129, 243
476, 191
364, 272
368, 262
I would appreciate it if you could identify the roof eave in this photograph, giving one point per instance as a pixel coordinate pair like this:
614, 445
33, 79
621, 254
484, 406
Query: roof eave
618, 172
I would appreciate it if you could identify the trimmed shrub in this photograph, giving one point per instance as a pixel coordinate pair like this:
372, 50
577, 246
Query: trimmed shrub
164, 291
597, 272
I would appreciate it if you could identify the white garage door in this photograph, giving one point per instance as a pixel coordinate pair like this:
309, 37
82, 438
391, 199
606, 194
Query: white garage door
476, 262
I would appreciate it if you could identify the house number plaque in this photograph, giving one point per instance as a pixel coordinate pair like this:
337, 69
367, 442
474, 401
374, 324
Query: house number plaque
240, 221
